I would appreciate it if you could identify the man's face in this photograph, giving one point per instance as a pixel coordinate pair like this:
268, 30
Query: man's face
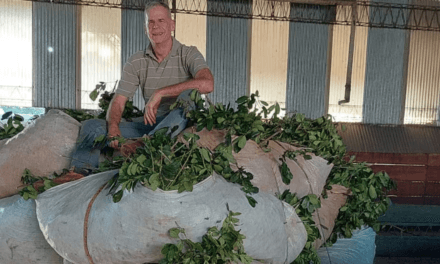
160, 25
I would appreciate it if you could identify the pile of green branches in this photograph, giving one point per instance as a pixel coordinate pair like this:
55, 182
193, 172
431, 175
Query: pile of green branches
171, 165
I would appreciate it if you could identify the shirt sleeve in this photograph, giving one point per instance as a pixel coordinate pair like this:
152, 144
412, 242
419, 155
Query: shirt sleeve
195, 61
130, 79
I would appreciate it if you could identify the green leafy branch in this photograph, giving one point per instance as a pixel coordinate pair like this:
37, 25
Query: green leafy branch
223, 158
12, 127
130, 111
318, 136
28, 179
245, 122
217, 246
286, 174
164, 163
305, 207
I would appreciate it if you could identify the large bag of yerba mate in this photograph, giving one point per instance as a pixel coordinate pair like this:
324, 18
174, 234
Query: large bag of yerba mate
134, 229
21, 240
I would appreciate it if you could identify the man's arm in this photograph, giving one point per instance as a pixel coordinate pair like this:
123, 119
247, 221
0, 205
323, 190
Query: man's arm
203, 82
114, 116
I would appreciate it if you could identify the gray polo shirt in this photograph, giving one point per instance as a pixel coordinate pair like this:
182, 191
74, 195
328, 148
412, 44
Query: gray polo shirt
142, 69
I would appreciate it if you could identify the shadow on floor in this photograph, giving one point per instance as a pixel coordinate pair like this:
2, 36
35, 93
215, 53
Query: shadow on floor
405, 260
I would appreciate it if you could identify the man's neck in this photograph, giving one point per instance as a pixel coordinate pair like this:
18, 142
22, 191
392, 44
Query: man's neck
162, 50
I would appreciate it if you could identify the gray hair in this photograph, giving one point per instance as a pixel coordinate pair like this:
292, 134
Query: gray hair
154, 3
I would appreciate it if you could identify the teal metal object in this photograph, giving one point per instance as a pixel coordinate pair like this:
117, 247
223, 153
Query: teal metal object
406, 216
407, 246
411, 215
26, 112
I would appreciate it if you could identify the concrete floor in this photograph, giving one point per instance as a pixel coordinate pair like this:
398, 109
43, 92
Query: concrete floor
405, 260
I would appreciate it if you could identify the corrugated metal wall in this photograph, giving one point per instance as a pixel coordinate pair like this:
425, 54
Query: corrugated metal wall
399, 78
191, 29
308, 62
228, 53
100, 50
54, 54
133, 40
16, 53
351, 111
423, 89
385, 77
270, 40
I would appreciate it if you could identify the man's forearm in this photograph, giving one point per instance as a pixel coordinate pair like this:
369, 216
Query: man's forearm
203, 82
114, 115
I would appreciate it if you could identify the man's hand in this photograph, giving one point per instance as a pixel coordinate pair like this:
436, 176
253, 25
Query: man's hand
113, 131
151, 108
114, 116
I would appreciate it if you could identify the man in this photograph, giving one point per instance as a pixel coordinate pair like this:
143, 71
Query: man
165, 70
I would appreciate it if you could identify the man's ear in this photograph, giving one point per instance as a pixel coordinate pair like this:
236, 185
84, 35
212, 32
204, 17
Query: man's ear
173, 25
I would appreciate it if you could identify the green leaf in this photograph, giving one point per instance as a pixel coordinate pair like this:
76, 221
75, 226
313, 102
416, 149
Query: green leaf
307, 157
251, 201
286, 174
118, 196
277, 109
94, 94
241, 142
133, 169
242, 100
174, 232
188, 186
372, 192
205, 154
154, 178
220, 120
48, 184
141, 159
193, 94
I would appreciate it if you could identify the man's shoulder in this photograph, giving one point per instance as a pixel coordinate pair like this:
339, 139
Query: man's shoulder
185, 50
140, 55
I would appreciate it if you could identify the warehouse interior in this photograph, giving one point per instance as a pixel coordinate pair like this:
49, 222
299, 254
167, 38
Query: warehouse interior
373, 66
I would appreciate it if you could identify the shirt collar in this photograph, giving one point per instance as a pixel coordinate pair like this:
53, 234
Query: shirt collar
173, 52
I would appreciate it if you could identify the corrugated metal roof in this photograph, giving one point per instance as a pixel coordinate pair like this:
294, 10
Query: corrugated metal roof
390, 138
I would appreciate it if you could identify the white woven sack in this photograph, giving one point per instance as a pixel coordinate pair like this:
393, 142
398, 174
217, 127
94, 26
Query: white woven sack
21, 240
135, 229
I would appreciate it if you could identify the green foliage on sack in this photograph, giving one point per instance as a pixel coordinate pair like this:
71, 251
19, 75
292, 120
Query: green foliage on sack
79, 115
255, 120
164, 163
28, 179
304, 208
318, 136
168, 164
217, 246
